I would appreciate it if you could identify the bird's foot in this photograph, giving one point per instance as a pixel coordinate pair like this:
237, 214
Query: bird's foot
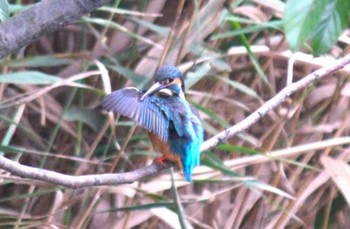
161, 160
164, 161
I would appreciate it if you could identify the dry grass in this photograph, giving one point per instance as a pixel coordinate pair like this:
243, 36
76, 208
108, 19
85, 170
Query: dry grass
278, 174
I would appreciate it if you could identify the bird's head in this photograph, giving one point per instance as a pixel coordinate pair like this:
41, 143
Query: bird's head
168, 81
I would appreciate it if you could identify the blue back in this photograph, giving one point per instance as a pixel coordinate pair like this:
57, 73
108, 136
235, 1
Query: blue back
187, 145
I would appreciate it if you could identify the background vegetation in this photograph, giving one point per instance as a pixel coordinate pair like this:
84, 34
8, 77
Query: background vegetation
235, 55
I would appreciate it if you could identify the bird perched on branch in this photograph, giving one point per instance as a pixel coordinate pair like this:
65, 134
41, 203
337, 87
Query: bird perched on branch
173, 125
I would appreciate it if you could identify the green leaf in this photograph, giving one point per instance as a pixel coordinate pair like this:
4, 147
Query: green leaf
301, 19
239, 149
90, 117
26, 195
138, 80
252, 56
11, 129
250, 29
212, 56
141, 207
214, 162
16, 8
38, 61
318, 21
24, 150
29, 77
164, 31
334, 21
116, 26
179, 210
240, 87
214, 116
4, 10
195, 76
256, 184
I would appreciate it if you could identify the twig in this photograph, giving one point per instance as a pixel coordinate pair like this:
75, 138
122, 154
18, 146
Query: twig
274, 102
171, 36
129, 177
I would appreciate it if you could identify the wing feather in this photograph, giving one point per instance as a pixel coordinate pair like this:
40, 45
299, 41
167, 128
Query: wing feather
153, 113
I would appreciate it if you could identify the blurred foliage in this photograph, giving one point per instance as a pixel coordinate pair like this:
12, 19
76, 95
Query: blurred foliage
235, 55
319, 21
4, 10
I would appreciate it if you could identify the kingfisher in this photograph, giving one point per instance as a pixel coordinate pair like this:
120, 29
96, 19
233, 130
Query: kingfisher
173, 125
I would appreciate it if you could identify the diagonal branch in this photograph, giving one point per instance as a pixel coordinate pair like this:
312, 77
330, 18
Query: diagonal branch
129, 177
275, 101
41, 19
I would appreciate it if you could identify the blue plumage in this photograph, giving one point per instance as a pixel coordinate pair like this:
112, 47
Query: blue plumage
164, 112
188, 145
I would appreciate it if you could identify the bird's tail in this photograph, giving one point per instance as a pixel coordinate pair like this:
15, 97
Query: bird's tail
188, 164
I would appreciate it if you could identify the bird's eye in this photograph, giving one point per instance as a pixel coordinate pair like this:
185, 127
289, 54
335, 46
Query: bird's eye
168, 81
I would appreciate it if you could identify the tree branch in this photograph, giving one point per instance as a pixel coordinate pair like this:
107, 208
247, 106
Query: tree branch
41, 19
84, 180
129, 177
274, 102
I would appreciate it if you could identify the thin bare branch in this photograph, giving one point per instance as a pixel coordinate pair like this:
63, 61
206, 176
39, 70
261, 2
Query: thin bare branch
84, 180
274, 102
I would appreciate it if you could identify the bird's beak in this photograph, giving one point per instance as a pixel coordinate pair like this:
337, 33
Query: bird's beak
153, 89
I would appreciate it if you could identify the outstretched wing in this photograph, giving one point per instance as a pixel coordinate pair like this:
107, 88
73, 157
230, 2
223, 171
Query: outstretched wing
153, 113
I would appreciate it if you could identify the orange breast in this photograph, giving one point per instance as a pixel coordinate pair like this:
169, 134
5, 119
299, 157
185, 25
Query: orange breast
163, 148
